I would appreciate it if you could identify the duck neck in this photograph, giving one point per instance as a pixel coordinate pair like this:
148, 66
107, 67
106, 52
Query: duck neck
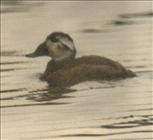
64, 60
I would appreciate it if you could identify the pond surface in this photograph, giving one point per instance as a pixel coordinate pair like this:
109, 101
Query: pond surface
104, 110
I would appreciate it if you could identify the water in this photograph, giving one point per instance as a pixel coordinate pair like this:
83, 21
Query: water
114, 110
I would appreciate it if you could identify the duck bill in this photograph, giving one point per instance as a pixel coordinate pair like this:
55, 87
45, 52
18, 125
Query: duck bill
41, 50
31, 55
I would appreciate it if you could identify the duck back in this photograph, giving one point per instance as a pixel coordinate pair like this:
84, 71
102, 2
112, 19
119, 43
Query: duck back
86, 68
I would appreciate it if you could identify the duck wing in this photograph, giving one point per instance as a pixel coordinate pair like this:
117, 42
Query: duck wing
88, 68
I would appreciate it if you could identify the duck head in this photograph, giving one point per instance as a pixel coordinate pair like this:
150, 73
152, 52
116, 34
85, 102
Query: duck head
58, 45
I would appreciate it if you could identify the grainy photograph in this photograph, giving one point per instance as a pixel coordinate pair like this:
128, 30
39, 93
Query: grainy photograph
76, 70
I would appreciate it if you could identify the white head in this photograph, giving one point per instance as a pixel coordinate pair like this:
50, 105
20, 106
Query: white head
60, 46
57, 45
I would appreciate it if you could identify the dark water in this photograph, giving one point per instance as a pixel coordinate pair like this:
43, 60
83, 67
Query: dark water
113, 110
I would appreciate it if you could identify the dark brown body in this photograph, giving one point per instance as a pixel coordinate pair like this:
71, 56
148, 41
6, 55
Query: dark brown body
87, 68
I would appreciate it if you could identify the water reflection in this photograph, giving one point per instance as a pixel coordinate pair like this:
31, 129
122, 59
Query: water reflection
144, 120
17, 6
12, 90
124, 18
11, 53
121, 22
92, 30
49, 94
33, 104
137, 15
110, 134
11, 2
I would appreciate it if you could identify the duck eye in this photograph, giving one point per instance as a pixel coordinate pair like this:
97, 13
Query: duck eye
54, 39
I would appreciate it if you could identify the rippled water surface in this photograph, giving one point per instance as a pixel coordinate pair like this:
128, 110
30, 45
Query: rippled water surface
104, 110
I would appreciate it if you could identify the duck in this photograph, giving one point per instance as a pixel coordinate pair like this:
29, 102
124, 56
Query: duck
65, 70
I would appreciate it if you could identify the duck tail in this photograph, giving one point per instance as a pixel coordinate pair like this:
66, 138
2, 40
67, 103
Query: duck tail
131, 73
127, 72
